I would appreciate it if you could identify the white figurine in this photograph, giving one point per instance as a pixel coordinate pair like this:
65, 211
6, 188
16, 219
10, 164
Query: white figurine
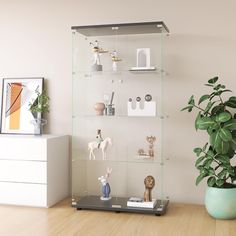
96, 56
115, 59
106, 189
96, 145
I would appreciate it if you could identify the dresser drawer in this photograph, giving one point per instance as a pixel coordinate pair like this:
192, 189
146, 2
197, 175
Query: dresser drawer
23, 194
25, 148
23, 171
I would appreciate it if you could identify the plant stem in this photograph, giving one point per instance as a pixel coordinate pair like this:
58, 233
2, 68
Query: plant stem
221, 99
200, 109
213, 157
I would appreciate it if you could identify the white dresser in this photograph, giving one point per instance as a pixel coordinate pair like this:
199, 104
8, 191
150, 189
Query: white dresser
34, 171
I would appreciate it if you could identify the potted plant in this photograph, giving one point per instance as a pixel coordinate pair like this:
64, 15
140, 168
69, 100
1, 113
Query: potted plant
215, 159
38, 107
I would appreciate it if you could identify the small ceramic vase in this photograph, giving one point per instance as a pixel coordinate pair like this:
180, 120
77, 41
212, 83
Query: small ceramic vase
106, 190
99, 108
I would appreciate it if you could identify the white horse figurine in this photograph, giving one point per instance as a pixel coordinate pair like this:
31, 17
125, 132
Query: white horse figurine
95, 145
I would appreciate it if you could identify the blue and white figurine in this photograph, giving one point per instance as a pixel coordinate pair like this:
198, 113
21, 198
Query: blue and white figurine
106, 189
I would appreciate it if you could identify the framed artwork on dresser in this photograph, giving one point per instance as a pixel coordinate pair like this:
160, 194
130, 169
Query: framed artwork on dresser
17, 94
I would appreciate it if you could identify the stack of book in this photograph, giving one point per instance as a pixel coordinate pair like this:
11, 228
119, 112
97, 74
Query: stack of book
139, 202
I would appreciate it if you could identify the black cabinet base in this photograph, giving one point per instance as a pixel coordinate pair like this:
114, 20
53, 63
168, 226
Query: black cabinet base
118, 204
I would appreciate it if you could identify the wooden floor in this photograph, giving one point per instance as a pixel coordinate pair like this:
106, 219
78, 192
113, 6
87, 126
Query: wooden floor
181, 219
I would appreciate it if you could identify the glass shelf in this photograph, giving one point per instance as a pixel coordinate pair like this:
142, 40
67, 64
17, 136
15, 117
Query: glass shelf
141, 161
118, 116
87, 74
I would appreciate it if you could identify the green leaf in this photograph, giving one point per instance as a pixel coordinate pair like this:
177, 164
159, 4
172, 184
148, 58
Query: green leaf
200, 167
223, 117
222, 174
197, 151
187, 108
210, 153
191, 100
215, 139
230, 125
204, 171
218, 144
207, 163
217, 87
223, 158
213, 80
233, 99
231, 104
230, 152
225, 135
233, 144
231, 171
211, 171
197, 120
199, 160
203, 98
204, 122
222, 147
205, 147
220, 182
200, 178
213, 128
217, 109
234, 133
208, 107
209, 85
211, 181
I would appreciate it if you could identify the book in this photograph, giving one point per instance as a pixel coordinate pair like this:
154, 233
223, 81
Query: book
141, 204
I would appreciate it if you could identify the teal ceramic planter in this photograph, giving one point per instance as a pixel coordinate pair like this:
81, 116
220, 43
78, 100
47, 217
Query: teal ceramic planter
221, 202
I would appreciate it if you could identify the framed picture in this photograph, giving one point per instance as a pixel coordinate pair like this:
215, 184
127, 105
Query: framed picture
17, 93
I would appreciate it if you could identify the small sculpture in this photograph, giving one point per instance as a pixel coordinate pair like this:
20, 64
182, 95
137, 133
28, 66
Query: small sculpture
141, 152
99, 137
148, 97
149, 183
150, 153
106, 189
99, 144
96, 56
115, 59
143, 60
151, 141
135, 107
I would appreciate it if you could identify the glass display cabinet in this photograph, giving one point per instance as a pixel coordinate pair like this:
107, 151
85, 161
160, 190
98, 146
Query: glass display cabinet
118, 115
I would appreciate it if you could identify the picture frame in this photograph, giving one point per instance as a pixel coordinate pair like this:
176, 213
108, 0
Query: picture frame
17, 93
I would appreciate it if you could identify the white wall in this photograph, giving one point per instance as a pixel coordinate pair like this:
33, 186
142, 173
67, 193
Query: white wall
35, 40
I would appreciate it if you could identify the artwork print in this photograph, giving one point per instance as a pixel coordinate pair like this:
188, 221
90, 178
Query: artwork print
16, 95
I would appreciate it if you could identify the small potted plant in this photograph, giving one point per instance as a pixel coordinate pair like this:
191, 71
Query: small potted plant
215, 159
38, 107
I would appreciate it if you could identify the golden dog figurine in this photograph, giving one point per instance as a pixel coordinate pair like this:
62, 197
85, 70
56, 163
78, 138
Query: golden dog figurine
149, 183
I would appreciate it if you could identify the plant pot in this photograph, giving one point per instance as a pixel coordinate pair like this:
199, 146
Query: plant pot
221, 202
